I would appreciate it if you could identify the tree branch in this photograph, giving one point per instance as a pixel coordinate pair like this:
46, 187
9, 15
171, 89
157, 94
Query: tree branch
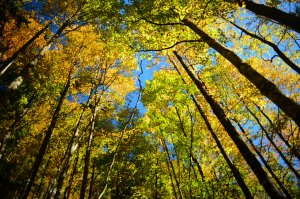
166, 48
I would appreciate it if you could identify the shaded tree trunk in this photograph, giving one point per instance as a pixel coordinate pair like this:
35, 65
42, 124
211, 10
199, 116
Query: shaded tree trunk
46, 141
88, 155
74, 171
286, 19
7, 63
267, 88
285, 191
293, 150
173, 169
92, 181
289, 164
171, 178
72, 147
232, 167
234, 135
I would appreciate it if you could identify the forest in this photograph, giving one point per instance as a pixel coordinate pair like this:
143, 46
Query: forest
154, 99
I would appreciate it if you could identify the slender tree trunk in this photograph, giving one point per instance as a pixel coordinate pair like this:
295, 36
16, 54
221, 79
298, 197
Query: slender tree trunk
171, 177
74, 171
191, 154
173, 169
39, 191
289, 164
120, 141
46, 141
267, 88
185, 135
285, 19
232, 167
285, 191
72, 147
199, 167
293, 150
88, 155
7, 134
289, 62
92, 181
7, 63
241, 145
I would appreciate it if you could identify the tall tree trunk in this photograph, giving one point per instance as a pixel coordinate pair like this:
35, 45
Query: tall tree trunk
7, 63
72, 147
7, 133
289, 164
285, 191
293, 150
286, 19
39, 189
120, 140
232, 167
74, 171
46, 141
185, 135
92, 181
284, 58
173, 169
171, 177
88, 155
234, 135
267, 88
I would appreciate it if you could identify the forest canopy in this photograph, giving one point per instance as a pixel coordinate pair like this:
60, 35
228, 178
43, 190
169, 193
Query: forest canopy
149, 99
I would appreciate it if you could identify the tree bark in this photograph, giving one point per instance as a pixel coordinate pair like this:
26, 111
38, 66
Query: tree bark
74, 171
72, 147
285, 19
232, 167
88, 155
289, 164
285, 191
293, 150
267, 88
46, 141
173, 170
7, 63
234, 135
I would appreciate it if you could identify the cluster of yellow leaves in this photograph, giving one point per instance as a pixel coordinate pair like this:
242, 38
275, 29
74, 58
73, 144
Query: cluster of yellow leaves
14, 38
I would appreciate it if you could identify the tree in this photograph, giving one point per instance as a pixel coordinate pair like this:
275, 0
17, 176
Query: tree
245, 151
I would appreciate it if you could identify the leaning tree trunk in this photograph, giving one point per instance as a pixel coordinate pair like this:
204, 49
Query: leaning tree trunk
286, 19
233, 168
172, 168
285, 191
7, 63
293, 150
234, 135
192, 157
288, 163
46, 141
266, 87
72, 147
88, 155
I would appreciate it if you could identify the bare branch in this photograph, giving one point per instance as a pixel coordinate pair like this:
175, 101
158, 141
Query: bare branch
172, 46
